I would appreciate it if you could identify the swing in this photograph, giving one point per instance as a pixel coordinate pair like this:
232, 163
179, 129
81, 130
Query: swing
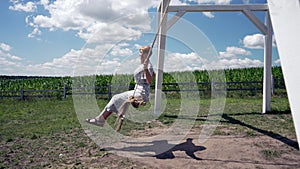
136, 102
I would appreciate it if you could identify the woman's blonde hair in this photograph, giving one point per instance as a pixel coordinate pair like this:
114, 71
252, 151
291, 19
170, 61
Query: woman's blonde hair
146, 49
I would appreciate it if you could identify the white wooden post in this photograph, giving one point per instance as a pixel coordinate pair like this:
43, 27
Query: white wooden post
267, 66
161, 55
286, 24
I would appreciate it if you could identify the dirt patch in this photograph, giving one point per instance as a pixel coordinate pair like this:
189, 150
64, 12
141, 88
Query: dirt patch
232, 152
76, 150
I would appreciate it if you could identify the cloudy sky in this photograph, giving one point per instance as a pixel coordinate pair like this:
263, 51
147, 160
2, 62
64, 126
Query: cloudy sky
65, 37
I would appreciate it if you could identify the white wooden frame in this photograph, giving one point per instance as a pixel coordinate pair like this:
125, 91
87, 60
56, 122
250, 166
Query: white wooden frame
285, 19
247, 10
287, 36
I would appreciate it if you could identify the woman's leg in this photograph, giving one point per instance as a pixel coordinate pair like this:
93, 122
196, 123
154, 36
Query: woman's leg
115, 105
100, 119
103, 115
124, 108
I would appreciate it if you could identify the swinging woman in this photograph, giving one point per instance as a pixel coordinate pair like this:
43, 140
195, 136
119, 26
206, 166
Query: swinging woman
119, 103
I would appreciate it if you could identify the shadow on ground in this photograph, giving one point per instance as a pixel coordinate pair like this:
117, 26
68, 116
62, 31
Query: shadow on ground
157, 148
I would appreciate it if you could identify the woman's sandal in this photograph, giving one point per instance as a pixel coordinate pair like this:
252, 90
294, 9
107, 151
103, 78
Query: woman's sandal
95, 122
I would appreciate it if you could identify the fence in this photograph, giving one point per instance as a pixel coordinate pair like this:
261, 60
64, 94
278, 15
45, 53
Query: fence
109, 90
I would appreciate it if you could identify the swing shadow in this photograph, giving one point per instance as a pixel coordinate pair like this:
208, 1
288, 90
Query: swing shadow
203, 117
157, 146
271, 134
228, 119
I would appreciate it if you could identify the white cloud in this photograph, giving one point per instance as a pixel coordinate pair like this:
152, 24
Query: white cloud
95, 17
233, 52
8, 67
86, 61
96, 21
192, 61
35, 32
13, 57
239, 63
176, 2
255, 41
44, 2
5, 53
209, 14
107, 33
231, 58
27, 7
220, 2
94, 61
217, 2
277, 62
107, 23
9, 64
118, 51
5, 47
246, 1
184, 62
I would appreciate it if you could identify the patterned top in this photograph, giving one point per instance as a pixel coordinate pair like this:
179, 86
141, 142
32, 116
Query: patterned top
119, 102
142, 86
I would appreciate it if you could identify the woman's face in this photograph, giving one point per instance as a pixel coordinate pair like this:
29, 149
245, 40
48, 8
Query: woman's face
143, 56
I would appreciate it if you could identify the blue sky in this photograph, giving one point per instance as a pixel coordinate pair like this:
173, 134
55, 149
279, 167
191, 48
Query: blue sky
63, 37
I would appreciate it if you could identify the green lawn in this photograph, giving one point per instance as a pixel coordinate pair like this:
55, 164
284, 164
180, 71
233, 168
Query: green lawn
42, 117
35, 132
35, 118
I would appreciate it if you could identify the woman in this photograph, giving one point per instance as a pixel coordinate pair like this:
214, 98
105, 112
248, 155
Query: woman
143, 77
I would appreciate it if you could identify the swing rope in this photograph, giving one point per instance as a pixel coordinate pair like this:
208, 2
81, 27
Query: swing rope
131, 98
157, 32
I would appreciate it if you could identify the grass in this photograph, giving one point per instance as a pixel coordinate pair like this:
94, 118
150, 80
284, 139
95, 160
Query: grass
35, 132
270, 154
41, 117
35, 118
241, 116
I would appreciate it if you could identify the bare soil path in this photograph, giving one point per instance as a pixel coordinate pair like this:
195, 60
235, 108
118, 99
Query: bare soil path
76, 150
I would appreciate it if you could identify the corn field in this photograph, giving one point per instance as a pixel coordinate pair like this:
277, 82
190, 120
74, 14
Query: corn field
11, 84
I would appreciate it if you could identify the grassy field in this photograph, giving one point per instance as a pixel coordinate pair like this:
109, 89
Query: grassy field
46, 132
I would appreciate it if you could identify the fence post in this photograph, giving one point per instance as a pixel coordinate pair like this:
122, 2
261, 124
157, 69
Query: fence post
65, 91
109, 91
272, 85
212, 87
22, 94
